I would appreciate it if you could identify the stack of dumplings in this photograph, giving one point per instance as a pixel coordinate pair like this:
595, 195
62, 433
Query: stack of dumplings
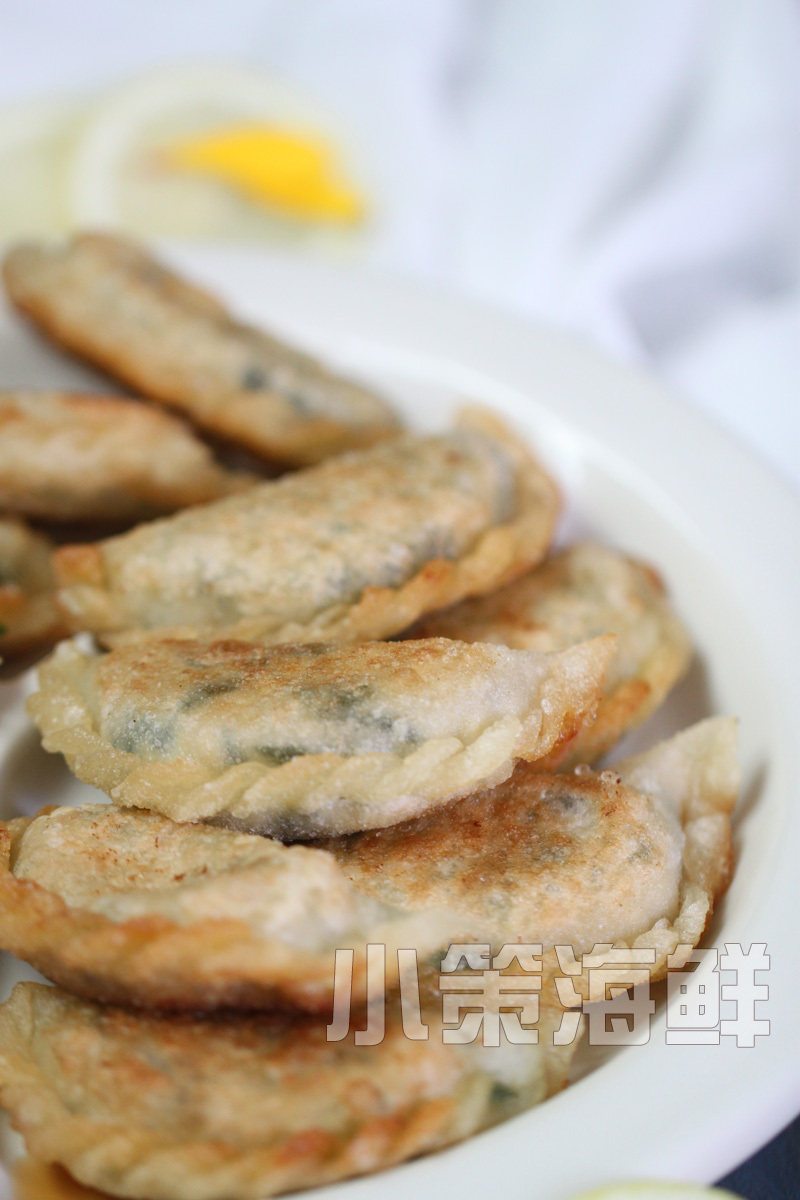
360, 704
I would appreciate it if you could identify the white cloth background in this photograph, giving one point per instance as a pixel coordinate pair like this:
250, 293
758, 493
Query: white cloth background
626, 168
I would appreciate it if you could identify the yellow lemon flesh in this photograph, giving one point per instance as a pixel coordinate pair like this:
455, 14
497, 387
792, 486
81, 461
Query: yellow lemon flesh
280, 169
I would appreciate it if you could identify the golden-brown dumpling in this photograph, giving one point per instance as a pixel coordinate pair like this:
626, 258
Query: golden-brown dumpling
303, 741
108, 301
353, 549
29, 614
180, 1108
74, 457
34, 1180
578, 594
126, 906
634, 856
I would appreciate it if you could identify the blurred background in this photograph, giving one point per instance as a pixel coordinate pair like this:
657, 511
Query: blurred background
626, 169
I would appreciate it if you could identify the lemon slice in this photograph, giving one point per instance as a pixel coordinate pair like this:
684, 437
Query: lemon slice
211, 151
657, 1191
282, 169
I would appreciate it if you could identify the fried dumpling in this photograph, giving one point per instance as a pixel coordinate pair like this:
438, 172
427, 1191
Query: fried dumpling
578, 594
29, 614
107, 300
126, 906
73, 457
633, 856
34, 1180
181, 1108
353, 549
308, 740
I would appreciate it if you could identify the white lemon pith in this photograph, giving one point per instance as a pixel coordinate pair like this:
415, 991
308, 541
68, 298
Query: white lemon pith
656, 1191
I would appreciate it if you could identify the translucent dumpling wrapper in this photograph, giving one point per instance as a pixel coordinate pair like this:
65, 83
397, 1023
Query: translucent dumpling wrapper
353, 549
126, 905
303, 741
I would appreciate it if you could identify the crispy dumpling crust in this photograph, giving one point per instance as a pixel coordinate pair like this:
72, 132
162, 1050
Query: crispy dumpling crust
74, 457
304, 741
129, 907
578, 594
353, 549
29, 614
108, 301
189, 1109
635, 855
35, 1180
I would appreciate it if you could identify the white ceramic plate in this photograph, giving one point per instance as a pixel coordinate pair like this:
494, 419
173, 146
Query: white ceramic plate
655, 478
